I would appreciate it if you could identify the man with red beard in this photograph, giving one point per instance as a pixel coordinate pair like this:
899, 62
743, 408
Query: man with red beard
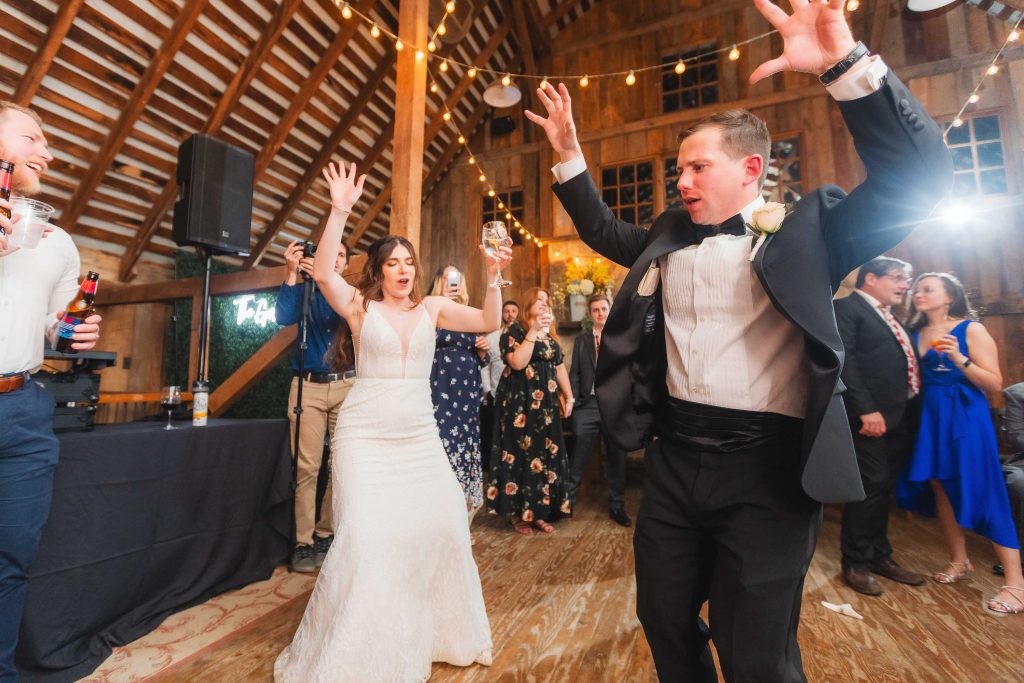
35, 285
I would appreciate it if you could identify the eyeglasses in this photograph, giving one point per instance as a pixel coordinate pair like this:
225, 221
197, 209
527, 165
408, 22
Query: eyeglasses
898, 277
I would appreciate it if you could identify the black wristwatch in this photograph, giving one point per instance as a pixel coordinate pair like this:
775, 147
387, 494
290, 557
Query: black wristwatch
845, 64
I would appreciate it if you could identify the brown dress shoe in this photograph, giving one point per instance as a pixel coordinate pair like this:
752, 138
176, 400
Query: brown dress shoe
861, 581
891, 570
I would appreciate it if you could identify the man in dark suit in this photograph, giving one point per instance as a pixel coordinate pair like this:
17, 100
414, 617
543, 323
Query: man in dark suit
883, 383
730, 355
587, 424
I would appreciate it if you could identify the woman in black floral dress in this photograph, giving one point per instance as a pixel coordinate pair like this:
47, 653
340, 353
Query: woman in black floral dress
529, 463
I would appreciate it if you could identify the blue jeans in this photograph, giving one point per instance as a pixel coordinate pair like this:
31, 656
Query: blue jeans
28, 458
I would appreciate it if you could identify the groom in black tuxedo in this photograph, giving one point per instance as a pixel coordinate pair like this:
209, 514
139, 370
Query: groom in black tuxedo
883, 387
727, 351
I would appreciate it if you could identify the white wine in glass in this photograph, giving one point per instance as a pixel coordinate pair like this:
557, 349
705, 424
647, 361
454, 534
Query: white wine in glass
495, 236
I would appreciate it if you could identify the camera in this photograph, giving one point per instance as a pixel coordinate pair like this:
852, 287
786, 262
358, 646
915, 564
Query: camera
308, 249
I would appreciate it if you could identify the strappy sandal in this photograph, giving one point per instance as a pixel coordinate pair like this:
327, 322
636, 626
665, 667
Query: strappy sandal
1005, 608
959, 572
521, 527
544, 526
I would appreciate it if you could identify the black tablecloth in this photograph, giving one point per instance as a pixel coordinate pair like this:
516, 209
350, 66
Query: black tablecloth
144, 523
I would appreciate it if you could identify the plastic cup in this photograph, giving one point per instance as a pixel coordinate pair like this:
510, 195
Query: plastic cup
34, 215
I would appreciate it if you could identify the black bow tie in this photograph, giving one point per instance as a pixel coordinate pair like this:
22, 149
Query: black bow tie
733, 226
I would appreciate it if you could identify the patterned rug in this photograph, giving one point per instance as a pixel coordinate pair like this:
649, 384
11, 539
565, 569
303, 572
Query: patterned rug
187, 634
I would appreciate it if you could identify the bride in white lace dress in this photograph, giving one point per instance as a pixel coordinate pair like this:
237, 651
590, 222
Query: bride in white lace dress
399, 589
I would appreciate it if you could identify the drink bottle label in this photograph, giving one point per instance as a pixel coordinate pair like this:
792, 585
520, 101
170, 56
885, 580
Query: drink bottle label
66, 327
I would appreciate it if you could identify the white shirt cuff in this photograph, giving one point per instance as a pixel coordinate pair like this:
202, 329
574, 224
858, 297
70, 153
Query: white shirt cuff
568, 170
864, 78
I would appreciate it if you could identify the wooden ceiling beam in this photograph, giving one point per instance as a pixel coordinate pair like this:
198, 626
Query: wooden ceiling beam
453, 148
232, 94
563, 8
370, 216
542, 37
329, 148
179, 31
40, 63
522, 33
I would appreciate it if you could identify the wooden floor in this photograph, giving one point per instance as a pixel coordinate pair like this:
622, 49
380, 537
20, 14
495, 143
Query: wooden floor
562, 609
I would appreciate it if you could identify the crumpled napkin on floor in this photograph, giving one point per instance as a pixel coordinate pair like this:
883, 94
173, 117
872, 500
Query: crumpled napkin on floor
845, 608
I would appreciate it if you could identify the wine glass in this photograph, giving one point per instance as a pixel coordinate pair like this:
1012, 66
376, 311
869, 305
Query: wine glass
495, 235
170, 396
935, 344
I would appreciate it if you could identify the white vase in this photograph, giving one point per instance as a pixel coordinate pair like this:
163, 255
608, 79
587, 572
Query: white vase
577, 307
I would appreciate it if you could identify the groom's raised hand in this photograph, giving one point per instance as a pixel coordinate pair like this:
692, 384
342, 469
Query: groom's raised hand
815, 36
558, 126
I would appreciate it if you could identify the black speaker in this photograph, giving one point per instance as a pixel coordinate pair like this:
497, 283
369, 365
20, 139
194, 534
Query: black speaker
214, 207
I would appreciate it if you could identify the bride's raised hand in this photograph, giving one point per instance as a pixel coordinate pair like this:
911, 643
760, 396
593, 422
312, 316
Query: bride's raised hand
345, 188
496, 262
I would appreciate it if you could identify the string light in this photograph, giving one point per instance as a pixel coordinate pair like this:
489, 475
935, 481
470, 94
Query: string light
1014, 35
399, 45
585, 81
472, 72
506, 80
993, 70
957, 122
631, 78
444, 66
419, 55
483, 178
973, 99
441, 30
462, 140
375, 32
544, 83
680, 67
508, 215
472, 160
433, 87
734, 54
447, 116
346, 11
450, 7
852, 6
431, 46
490, 193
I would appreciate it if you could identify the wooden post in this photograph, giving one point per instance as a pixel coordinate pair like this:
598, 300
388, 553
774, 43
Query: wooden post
410, 110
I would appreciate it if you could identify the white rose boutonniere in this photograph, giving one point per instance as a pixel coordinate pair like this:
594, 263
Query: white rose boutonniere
765, 221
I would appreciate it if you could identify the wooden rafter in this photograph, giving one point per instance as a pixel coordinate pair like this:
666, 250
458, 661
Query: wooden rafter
526, 48
41, 61
453, 148
371, 215
328, 150
541, 36
243, 77
255, 367
179, 31
563, 8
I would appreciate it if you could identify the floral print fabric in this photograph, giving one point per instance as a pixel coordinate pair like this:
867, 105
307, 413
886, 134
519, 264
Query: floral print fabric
529, 464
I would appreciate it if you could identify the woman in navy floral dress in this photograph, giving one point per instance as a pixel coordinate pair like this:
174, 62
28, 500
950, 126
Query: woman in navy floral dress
456, 389
529, 464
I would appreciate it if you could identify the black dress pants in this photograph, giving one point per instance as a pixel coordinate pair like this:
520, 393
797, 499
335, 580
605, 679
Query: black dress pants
864, 538
734, 529
587, 427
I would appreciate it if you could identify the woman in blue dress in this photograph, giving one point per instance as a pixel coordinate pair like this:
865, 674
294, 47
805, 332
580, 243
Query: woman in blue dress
954, 471
456, 389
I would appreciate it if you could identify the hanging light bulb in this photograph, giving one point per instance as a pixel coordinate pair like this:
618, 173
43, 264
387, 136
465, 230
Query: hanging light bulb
544, 83
483, 178
558, 253
973, 99
522, 231
506, 80
490, 193
431, 46
346, 11
444, 66
680, 67
433, 87
631, 78
585, 81
450, 7
540, 244
472, 72
734, 54
472, 160
508, 215
419, 55
374, 31
518, 224
399, 45
501, 205
462, 139
447, 116
992, 70
441, 30
852, 5
1014, 36
957, 122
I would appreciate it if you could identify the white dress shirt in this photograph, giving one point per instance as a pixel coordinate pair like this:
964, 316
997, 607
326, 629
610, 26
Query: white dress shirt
34, 285
727, 345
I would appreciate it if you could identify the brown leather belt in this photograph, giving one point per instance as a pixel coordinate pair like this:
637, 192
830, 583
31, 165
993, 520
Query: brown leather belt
9, 383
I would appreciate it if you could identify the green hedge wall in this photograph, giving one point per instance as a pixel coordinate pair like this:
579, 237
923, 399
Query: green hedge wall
230, 346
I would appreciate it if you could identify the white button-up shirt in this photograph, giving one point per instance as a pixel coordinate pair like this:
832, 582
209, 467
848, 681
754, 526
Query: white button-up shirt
34, 285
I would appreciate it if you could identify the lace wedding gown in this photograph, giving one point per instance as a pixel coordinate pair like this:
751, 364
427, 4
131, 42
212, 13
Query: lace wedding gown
399, 588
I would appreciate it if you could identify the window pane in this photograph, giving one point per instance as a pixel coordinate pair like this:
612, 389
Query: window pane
628, 214
964, 184
644, 171
689, 99
609, 177
645, 192
670, 103
993, 182
646, 214
488, 204
627, 194
963, 160
610, 197
627, 174
709, 73
990, 154
986, 128
669, 81
958, 136
515, 200
689, 78
709, 95
793, 171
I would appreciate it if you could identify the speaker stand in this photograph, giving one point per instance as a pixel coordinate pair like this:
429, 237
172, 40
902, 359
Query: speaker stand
204, 324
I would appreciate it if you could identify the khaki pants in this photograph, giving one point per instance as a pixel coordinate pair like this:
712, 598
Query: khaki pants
320, 405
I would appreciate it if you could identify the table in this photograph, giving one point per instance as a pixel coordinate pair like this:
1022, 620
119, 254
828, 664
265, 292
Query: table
147, 522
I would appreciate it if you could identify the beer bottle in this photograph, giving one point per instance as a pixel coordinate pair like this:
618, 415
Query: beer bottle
6, 180
80, 308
